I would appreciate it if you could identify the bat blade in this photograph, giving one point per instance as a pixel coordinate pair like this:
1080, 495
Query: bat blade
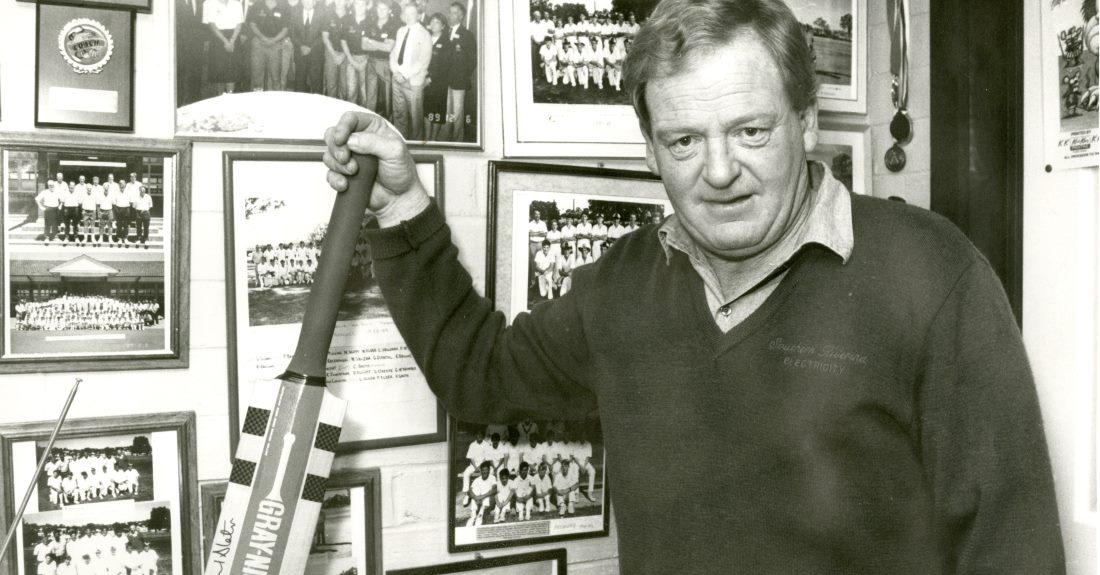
277, 485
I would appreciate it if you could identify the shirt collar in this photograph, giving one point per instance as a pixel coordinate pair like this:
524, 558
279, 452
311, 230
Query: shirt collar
829, 222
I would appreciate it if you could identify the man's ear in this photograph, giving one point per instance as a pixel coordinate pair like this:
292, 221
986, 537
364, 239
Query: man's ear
650, 155
808, 118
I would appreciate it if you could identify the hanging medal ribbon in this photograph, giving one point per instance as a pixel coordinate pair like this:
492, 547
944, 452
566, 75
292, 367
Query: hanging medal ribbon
901, 127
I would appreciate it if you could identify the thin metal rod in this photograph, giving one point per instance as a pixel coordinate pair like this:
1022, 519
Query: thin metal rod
41, 465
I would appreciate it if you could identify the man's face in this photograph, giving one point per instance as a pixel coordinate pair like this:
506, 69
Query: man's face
484, 471
409, 14
95, 180
730, 149
454, 15
60, 177
538, 15
133, 177
81, 179
110, 177
383, 10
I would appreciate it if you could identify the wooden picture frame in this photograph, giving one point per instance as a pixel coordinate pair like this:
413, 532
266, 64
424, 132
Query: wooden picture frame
206, 112
556, 560
551, 517
157, 505
848, 155
135, 308
84, 68
364, 525
837, 30
264, 310
541, 119
517, 189
139, 6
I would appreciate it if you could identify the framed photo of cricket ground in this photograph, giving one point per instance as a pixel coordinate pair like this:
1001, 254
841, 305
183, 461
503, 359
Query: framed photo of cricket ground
84, 68
96, 252
836, 31
116, 491
548, 562
348, 538
524, 483
563, 91
525, 201
247, 88
277, 207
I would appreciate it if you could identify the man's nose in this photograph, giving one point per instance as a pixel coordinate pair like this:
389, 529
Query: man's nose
722, 166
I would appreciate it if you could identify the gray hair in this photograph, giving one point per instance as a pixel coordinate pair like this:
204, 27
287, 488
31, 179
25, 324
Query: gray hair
679, 29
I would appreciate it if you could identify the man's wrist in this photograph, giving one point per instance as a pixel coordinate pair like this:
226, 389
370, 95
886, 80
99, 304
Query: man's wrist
403, 207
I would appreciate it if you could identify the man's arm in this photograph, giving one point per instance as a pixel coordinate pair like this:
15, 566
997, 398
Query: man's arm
981, 436
481, 369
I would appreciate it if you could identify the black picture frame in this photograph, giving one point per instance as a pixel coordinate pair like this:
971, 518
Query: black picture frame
139, 6
76, 90
432, 165
27, 161
21, 442
368, 480
558, 556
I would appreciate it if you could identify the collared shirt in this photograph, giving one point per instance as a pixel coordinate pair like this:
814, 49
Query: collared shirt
143, 203
382, 33
270, 21
827, 221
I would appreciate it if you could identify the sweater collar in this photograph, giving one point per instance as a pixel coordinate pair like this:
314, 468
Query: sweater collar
829, 223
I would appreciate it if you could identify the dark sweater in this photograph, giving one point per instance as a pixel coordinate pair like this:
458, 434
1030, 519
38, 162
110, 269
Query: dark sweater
877, 416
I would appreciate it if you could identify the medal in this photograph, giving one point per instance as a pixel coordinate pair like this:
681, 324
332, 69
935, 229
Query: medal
901, 126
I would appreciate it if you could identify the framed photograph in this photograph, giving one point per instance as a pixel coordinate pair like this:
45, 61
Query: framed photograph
241, 84
548, 562
277, 207
554, 103
847, 155
526, 482
578, 211
1071, 127
348, 539
142, 6
96, 252
836, 31
116, 491
84, 68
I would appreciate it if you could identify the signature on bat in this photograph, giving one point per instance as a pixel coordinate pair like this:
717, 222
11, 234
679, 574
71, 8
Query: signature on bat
222, 543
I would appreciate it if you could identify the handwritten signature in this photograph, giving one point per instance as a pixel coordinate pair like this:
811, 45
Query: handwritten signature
223, 542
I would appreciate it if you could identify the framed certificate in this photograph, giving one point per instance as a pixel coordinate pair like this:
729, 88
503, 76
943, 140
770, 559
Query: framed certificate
84, 68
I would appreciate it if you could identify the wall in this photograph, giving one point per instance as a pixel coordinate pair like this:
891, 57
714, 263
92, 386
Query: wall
413, 478
1061, 319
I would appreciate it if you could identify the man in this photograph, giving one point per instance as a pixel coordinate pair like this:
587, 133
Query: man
108, 227
409, 63
505, 492
49, 205
381, 34
269, 21
70, 209
476, 454
353, 39
544, 488
89, 202
149, 558
523, 490
306, 34
844, 371
143, 205
544, 271
539, 33
566, 482
480, 494
335, 59
123, 210
460, 53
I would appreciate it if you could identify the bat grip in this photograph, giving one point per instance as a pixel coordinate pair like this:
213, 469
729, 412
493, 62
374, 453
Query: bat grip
331, 276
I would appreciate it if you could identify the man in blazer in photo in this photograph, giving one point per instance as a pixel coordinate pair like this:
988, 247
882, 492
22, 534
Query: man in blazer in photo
307, 26
461, 53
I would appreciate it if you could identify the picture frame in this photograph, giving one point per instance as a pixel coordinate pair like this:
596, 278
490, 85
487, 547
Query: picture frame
78, 293
840, 56
218, 102
848, 156
543, 119
354, 497
139, 6
565, 495
263, 200
154, 508
84, 68
514, 187
554, 561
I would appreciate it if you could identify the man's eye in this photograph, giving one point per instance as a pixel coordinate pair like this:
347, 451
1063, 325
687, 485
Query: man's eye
754, 136
682, 144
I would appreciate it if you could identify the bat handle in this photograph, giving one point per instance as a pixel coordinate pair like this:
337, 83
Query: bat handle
338, 247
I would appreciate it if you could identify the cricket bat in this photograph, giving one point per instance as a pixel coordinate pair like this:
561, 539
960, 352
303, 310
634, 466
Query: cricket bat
292, 425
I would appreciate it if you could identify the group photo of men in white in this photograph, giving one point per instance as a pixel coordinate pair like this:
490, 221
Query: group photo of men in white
94, 213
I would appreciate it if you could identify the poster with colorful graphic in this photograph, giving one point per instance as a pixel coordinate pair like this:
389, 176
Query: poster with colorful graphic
1071, 40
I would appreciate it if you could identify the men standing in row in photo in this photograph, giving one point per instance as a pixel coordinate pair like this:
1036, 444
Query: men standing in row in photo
381, 33
461, 58
269, 21
409, 63
309, 56
335, 58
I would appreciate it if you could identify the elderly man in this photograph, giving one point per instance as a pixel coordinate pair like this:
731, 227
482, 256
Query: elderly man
844, 372
409, 63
